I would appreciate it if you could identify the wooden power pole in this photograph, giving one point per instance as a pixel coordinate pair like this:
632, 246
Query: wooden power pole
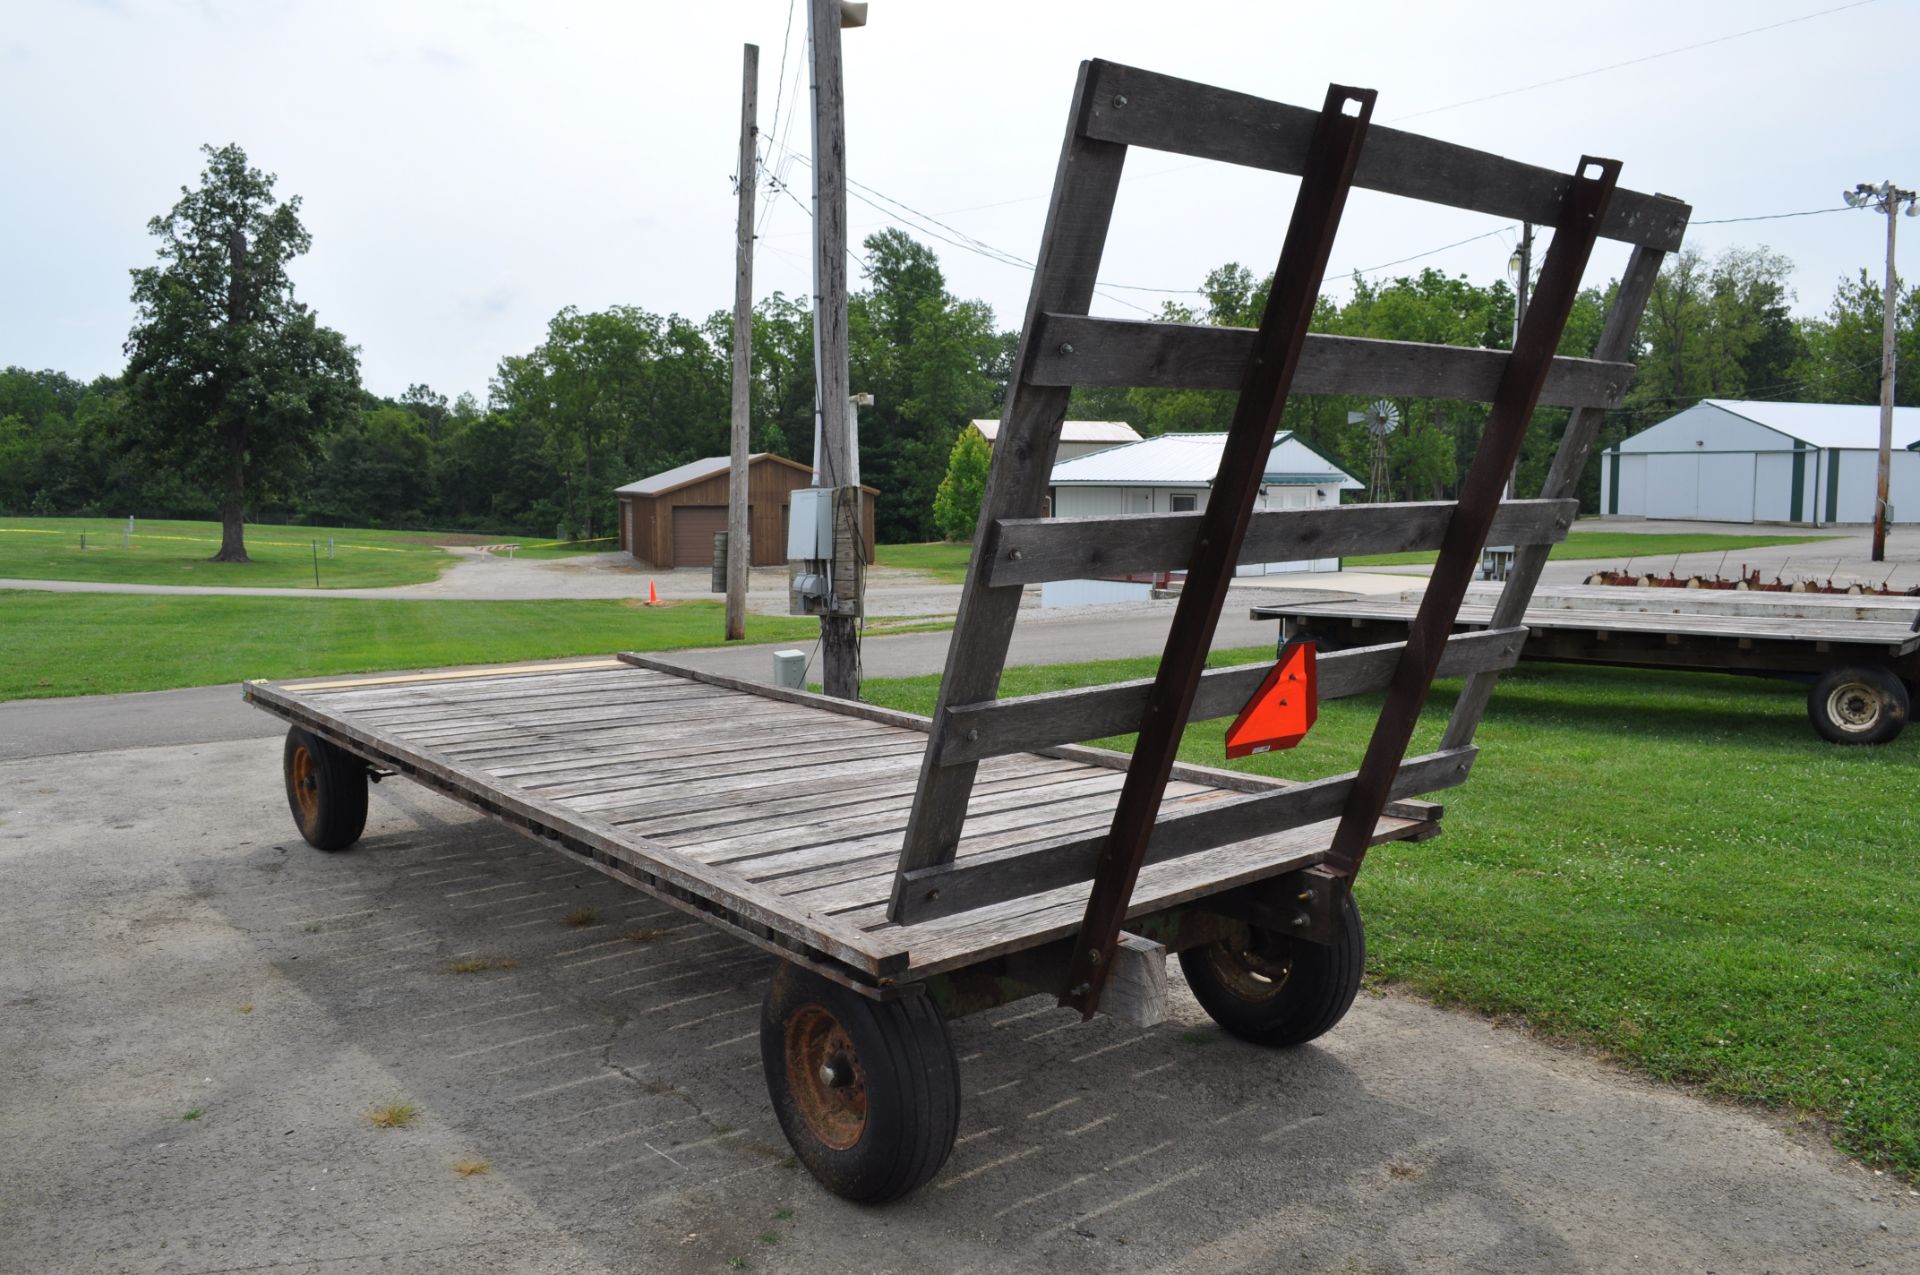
737, 559
835, 464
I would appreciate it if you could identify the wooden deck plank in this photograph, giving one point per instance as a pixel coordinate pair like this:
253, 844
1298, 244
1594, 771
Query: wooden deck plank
779, 829
786, 805
625, 779
753, 788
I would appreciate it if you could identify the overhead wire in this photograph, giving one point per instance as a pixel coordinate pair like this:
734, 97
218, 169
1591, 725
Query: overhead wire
1649, 57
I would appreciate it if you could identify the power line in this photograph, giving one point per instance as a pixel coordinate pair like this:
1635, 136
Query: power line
1650, 57
1811, 212
780, 84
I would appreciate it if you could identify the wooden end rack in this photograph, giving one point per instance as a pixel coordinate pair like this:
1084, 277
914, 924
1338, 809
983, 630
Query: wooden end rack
1332, 150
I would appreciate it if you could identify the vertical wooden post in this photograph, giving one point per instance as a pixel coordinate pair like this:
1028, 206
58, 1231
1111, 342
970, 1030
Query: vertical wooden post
737, 563
839, 636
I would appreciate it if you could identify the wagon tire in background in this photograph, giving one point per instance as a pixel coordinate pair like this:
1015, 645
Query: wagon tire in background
1858, 704
867, 1092
326, 790
1272, 989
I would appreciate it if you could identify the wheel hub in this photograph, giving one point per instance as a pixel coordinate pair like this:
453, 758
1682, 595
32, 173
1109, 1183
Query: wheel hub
306, 785
1854, 707
1253, 969
828, 1084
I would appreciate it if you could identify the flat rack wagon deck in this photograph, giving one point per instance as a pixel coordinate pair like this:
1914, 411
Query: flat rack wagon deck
775, 814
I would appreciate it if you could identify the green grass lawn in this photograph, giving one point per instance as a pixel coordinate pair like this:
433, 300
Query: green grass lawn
1649, 548
177, 552
94, 643
944, 560
1669, 868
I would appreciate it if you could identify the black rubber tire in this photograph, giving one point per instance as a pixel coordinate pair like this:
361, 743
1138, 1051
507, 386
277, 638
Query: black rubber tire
911, 1084
333, 813
1858, 704
1315, 992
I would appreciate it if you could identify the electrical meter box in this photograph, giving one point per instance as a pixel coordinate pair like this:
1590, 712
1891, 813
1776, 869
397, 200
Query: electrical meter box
810, 523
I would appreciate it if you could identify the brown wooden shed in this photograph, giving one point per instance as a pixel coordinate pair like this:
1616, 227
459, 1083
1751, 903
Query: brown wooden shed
668, 519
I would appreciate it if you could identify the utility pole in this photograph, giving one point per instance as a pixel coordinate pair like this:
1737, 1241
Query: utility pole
1887, 198
834, 463
737, 562
1521, 262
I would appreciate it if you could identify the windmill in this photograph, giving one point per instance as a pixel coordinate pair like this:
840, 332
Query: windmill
1381, 418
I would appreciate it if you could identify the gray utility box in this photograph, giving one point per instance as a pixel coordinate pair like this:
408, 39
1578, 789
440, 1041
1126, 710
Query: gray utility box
810, 523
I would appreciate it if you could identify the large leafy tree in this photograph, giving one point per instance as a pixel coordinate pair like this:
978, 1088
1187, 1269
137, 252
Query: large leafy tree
930, 360
234, 381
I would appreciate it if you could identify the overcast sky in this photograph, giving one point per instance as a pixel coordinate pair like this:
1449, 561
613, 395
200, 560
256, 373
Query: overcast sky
469, 167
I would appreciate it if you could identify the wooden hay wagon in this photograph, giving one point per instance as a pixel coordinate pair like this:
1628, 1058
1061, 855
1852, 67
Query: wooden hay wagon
905, 870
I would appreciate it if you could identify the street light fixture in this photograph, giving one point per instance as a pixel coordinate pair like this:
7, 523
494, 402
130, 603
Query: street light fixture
1887, 198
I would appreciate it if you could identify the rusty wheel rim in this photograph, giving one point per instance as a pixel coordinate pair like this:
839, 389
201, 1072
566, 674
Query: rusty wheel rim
306, 785
1854, 707
828, 1084
1248, 971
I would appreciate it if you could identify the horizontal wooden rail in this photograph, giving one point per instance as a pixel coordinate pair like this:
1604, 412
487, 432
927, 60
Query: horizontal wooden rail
1161, 112
1032, 550
999, 727
1078, 349
981, 880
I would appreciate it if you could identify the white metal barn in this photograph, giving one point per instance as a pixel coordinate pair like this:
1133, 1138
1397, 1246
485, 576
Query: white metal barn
1173, 473
1728, 460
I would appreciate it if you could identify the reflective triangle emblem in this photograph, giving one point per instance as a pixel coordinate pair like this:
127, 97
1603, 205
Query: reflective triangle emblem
1283, 710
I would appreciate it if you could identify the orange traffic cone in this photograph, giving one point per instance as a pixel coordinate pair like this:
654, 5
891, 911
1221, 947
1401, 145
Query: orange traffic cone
653, 595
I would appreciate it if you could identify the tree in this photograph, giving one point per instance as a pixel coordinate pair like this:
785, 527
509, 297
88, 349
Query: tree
236, 382
929, 359
956, 505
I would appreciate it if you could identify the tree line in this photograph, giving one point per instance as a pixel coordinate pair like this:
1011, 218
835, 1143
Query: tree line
236, 403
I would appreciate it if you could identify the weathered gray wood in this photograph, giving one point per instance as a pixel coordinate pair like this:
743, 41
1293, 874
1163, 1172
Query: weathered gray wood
957, 941
1129, 353
981, 880
1616, 341
1085, 183
1143, 108
725, 891
1033, 550
825, 760
1136, 991
817, 881
747, 179
1869, 632
1034, 721
1103, 757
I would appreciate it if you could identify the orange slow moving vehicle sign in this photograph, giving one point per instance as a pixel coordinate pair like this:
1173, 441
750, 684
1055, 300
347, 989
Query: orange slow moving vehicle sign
1283, 710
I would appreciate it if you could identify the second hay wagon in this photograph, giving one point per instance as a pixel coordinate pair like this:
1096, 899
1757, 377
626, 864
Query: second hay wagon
906, 870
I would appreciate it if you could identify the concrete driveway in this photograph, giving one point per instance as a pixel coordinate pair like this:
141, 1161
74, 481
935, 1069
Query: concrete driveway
168, 946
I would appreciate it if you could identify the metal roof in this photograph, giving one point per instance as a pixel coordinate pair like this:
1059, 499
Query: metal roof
695, 470
680, 475
1192, 460
1840, 425
1076, 431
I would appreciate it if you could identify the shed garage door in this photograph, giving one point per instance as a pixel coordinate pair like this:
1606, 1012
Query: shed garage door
693, 530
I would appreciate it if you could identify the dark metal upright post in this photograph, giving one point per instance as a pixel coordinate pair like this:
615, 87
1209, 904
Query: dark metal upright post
1324, 183
1514, 400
